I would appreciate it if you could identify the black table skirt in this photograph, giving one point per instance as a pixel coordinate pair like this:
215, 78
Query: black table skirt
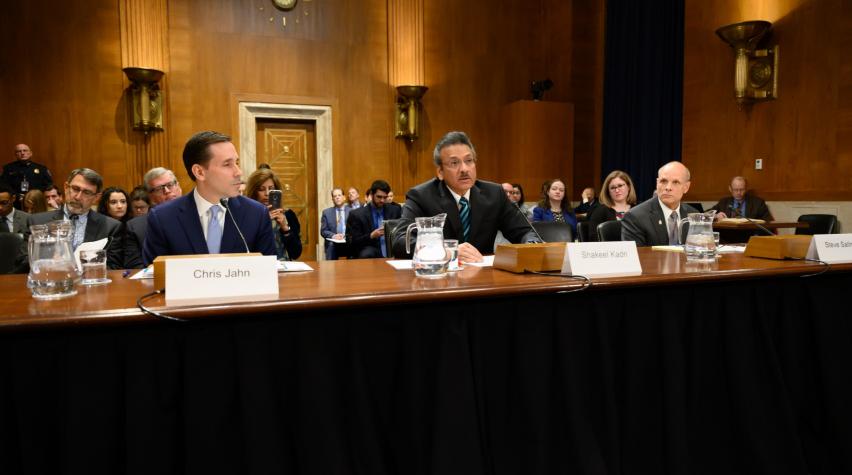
737, 377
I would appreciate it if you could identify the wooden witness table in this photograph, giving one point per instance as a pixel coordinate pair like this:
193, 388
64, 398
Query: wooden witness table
740, 366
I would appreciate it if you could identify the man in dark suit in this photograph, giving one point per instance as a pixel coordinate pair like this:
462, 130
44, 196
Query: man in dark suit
656, 222
741, 203
333, 223
162, 186
475, 209
365, 234
198, 223
82, 190
11, 220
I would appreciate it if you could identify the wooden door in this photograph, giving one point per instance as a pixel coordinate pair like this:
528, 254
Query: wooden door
289, 147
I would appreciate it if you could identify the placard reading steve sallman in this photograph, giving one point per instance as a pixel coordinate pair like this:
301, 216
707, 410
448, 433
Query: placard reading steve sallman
602, 259
212, 279
831, 248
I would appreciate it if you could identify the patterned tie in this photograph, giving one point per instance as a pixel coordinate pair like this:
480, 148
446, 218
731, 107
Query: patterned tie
340, 222
464, 214
673, 222
79, 231
214, 231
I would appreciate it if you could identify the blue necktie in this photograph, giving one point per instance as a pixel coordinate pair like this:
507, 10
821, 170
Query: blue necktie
340, 222
377, 217
464, 214
214, 231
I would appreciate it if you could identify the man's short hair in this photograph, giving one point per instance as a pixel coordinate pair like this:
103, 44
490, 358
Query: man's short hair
155, 173
197, 149
89, 175
140, 193
51, 187
335, 189
451, 138
379, 185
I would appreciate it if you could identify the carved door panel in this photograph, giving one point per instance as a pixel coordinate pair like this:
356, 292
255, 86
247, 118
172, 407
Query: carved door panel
289, 147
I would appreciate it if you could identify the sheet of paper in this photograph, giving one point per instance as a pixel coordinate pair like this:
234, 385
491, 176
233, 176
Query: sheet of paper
728, 248
146, 273
487, 261
88, 246
293, 266
400, 264
338, 241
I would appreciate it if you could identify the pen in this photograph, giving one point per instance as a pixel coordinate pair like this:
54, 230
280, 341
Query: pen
126, 273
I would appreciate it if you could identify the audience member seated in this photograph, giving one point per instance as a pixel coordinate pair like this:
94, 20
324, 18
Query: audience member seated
139, 202
23, 174
34, 202
365, 234
476, 209
389, 199
114, 204
333, 223
285, 224
11, 220
203, 221
82, 190
353, 198
656, 221
161, 186
519, 199
741, 203
53, 197
616, 198
555, 205
588, 203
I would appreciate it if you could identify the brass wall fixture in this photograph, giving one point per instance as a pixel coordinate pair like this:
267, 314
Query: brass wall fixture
408, 111
756, 73
146, 98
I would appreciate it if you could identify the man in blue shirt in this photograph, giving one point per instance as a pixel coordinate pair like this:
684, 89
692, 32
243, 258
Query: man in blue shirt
741, 203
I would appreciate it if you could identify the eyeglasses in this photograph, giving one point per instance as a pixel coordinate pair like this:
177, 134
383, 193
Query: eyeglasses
80, 191
164, 187
5, 203
617, 187
455, 163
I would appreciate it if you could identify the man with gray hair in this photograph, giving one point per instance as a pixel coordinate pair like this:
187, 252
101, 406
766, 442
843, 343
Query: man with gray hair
741, 203
656, 222
162, 186
82, 190
476, 209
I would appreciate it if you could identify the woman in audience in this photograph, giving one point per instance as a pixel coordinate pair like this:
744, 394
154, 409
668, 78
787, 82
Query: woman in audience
617, 196
35, 202
517, 196
114, 204
139, 201
555, 205
285, 224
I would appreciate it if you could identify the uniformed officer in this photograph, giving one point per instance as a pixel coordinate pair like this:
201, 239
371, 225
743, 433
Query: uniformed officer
24, 174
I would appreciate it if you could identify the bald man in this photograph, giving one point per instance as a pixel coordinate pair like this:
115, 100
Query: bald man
23, 174
741, 203
655, 222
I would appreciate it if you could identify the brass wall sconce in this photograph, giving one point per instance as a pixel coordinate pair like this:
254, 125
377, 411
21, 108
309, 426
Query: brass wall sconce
756, 74
408, 111
146, 98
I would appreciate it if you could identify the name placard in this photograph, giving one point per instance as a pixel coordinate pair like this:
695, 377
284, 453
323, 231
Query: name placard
602, 259
213, 279
831, 248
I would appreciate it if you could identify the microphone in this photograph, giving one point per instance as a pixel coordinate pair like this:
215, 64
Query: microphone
736, 212
517, 207
224, 202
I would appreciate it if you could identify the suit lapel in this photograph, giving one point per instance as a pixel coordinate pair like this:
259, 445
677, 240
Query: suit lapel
478, 204
191, 224
230, 238
19, 224
658, 222
452, 225
93, 224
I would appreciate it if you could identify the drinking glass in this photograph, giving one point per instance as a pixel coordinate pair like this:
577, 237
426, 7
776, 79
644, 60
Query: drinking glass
94, 267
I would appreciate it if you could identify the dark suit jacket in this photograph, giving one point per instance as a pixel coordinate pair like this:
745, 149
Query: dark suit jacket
133, 239
98, 226
328, 228
646, 223
359, 225
755, 207
490, 211
19, 222
174, 228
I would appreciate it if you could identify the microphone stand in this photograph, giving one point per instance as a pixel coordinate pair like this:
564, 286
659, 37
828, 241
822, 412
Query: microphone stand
224, 202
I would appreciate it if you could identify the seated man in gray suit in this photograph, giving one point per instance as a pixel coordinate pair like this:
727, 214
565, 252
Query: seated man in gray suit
476, 209
656, 221
11, 220
82, 190
162, 186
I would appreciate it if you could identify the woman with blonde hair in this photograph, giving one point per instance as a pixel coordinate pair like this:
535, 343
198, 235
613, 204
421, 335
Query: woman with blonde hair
617, 196
35, 202
285, 224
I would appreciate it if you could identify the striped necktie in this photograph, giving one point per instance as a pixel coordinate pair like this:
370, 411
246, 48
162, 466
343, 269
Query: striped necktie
464, 214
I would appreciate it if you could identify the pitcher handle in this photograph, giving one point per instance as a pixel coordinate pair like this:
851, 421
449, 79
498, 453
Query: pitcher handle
408, 237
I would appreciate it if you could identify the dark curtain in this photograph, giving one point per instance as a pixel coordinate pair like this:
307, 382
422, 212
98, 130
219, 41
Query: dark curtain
643, 89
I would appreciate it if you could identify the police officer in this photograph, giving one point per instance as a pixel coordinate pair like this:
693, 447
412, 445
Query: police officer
24, 174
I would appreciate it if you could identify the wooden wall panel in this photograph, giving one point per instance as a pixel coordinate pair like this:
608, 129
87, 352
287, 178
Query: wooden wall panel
803, 135
62, 86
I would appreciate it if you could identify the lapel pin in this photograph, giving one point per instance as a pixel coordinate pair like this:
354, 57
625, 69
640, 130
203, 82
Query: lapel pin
660, 222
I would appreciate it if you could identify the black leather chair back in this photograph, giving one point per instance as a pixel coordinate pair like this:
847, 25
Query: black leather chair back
609, 231
554, 232
817, 224
584, 231
390, 226
11, 247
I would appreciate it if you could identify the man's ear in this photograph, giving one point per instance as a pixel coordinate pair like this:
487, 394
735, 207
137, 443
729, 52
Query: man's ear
439, 172
198, 171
